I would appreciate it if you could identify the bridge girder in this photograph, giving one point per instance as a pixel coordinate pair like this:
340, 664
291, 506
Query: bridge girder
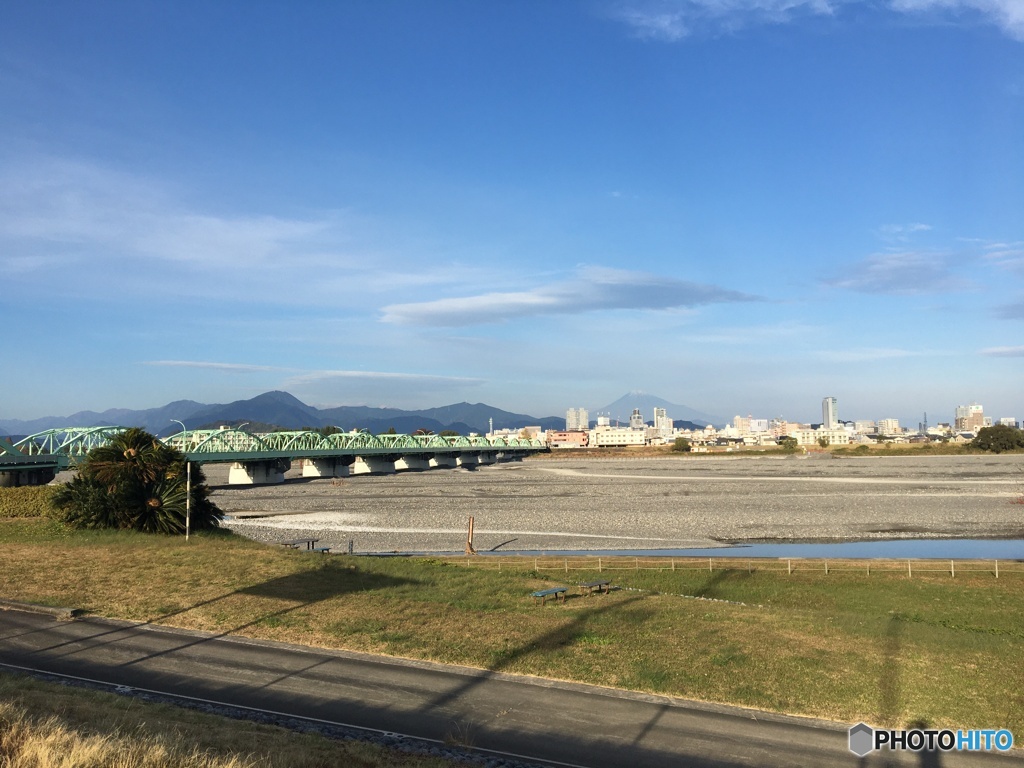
69, 444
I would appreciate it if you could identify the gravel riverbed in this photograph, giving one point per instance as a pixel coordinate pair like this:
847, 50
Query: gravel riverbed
587, 503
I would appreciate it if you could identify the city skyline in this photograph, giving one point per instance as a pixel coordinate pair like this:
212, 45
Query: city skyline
743, 207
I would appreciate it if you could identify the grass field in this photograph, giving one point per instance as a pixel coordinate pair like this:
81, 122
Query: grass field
845, 646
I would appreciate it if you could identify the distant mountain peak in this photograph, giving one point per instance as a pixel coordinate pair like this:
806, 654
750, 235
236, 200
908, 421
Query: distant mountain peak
623, 407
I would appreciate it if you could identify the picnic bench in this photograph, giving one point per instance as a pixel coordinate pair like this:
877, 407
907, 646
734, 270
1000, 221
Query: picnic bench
555, 592
322, 550
590, 586
297, 543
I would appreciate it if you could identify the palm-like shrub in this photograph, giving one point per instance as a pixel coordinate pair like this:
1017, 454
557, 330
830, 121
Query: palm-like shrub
135, 482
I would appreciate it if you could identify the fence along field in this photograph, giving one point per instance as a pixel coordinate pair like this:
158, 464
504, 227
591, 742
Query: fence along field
600, 564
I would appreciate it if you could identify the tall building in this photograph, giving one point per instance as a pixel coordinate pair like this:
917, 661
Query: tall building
829, 413
662, 423
636, 420
969, 418
576, 420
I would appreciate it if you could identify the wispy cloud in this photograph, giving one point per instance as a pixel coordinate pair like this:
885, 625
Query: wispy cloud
654, 24
672, 20
301, 376
901, 233
1005, 255
907, 273
67, 207
865, 355
591, 289
1011, 311
423, 378
1004, 351
228, 367
1008, 15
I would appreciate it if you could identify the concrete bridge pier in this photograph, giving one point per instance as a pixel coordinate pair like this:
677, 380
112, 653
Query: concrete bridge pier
332, 467
468, 460
16, 477
258, 472
406, 463
440, 461
373, 465
487, 457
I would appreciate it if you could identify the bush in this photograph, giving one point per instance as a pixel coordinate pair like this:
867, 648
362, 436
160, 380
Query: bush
998, 438
682, 445
26, 501
135, 482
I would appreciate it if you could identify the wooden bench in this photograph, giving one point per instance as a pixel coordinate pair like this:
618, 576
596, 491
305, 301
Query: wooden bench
555, 592
590, 586
322, 550
296, 543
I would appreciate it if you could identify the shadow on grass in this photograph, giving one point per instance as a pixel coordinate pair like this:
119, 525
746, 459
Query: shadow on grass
710, 587
306, 588
550, 641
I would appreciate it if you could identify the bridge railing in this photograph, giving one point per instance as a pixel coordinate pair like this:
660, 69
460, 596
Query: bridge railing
70, 441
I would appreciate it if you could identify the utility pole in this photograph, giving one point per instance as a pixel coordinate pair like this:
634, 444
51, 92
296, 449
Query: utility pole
188, 481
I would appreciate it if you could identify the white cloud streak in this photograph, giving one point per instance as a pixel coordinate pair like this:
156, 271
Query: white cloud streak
1003, 351
61, 207
865, 355
422, 378
307, 377
1008, 15
227, 367
672, 20
905, 273
592, 289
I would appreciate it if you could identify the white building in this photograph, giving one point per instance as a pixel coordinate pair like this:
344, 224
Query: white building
662, 423
888, 427
864, 427
617, 437
577, 419
636, 420
1008, 421
815, 436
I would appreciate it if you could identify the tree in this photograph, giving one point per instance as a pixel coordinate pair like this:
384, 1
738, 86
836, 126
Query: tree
682, 445
823, 441
135, 482
448, 433
998, 438
788, 443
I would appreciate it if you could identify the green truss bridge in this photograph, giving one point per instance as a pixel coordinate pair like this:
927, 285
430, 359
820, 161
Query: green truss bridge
264, 458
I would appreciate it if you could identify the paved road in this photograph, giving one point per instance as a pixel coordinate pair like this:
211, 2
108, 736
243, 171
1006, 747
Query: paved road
539, 719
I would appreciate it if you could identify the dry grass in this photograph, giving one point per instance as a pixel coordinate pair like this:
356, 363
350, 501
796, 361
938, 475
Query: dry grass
45, 725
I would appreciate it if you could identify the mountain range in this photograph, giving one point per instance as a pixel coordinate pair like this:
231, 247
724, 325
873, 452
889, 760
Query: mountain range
281, 409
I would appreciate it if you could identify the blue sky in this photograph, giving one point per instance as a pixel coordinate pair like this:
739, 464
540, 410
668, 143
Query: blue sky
738, 205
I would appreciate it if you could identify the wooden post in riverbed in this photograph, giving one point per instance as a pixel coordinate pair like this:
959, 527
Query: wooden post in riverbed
469, 538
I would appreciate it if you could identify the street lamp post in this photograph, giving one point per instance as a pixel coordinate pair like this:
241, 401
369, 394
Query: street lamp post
188, 481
